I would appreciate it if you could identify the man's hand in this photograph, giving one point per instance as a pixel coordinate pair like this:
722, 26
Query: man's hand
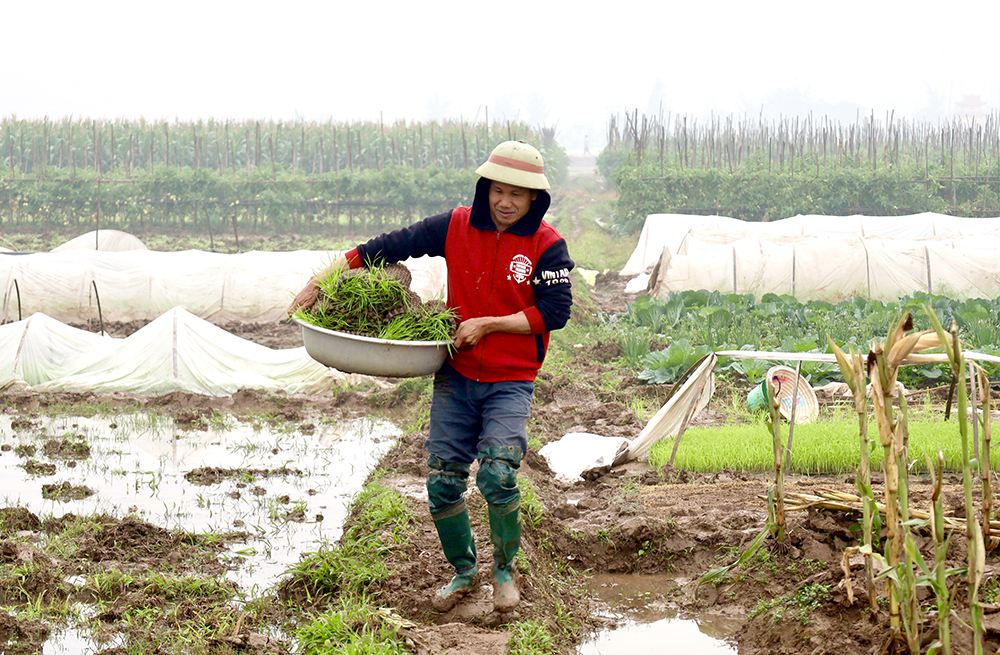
307, 297
310, 292
470, 332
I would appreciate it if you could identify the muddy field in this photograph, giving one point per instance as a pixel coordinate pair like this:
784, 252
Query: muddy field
788, 599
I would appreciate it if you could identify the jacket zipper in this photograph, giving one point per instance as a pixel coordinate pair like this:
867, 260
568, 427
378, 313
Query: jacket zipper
489, 304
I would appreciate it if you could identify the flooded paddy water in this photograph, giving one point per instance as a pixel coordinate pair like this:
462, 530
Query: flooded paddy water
645, 622
286, 487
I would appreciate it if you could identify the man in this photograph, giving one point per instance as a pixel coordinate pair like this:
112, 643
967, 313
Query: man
508, 279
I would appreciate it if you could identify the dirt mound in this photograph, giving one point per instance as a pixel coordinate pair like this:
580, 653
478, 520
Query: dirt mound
129, 540
207, 475
39, 468
17, 519
21, 636
66, 491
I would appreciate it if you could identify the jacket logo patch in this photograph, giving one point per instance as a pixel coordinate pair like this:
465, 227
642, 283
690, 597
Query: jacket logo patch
521, 268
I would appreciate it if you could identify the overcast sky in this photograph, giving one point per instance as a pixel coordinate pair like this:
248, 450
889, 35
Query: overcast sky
568, 64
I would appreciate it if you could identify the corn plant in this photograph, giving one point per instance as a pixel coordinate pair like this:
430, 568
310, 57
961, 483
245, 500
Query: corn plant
909, 604
973, 535
854, 374
776, 494
983, 387
938, 577
884, 361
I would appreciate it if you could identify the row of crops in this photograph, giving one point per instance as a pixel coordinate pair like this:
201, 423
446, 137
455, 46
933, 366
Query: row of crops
767, 170
700, 321
271, 174
198, 199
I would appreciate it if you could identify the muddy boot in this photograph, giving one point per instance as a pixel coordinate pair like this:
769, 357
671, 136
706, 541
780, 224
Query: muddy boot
505, 534
459, 547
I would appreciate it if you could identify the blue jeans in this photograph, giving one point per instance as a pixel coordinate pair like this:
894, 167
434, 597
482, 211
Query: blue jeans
469, 417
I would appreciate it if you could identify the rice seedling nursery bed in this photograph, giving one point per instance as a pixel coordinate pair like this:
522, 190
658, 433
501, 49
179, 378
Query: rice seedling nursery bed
826, 447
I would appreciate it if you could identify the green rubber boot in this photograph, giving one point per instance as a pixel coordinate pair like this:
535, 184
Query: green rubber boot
505, 535
459, 547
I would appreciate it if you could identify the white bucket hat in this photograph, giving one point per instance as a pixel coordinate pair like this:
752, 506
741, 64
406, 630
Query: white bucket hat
517, 163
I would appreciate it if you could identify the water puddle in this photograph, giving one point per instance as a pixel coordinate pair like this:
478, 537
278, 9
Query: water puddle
137, 465
647, 621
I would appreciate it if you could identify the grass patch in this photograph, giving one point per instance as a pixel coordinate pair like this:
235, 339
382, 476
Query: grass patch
563, 355
530, 638
822, 447
803, 603
341, 574
599, 249
359, 560
349, 628
531, 508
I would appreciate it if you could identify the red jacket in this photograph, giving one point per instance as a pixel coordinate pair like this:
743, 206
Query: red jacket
491, 273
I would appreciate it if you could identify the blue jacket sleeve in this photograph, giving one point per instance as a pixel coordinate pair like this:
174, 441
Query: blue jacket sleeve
426, 237
553, 291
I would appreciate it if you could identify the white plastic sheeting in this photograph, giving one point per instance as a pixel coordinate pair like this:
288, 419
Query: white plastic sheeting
575, 453
143, 284
107, 240
175, 352
829, 269
666, 232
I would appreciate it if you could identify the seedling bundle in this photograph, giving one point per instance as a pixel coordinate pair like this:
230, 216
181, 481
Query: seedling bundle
377, 302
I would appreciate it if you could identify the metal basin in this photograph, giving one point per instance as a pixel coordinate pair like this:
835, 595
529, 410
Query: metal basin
351, 353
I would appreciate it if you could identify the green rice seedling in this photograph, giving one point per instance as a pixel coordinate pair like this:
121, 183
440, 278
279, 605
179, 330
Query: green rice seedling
174, 587
359, 559
218, 421
376, 302
828, 446
333, 570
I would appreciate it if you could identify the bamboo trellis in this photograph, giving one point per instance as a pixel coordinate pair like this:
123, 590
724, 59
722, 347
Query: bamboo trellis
810, 144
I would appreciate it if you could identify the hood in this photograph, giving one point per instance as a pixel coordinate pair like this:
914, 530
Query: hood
480, 215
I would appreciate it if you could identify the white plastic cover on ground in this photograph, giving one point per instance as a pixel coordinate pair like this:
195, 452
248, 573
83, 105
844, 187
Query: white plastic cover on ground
107, 240
175, 352
834, 269
576, 453
663, 232
143, 284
